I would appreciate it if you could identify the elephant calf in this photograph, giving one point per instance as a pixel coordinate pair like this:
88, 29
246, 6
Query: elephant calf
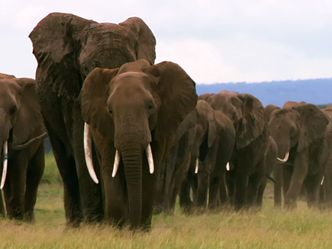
21, 144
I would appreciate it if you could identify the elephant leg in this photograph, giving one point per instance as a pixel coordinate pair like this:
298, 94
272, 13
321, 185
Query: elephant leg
116, 206
214, 188
34, 175
277, 185
16, 179
90, 193
224, 197
286, 178
185, 201
253, 186
299, 174
240, 190
260, 195
312, 185
67, 169
202, 190
230, 184
148, 189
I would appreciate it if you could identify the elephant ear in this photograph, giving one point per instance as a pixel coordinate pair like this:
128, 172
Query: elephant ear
177, 93
313, 124
28, 122
93, 98
145, 40
55, 46
212, 133
252, 123
187, 124
206, 112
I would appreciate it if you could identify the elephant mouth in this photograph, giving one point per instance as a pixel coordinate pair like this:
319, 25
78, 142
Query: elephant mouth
149, 157
89, 162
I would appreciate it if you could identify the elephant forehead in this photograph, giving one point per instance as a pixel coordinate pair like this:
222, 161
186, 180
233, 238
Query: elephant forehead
131, 85
130, 80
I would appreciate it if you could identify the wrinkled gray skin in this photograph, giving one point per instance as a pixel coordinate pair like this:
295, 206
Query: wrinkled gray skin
326, 185
67, 48
21, 125
176, 168
129, 108
213, 145
301, 130
247, 177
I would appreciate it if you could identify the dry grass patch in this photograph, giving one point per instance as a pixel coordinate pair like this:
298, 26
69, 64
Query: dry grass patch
269, 228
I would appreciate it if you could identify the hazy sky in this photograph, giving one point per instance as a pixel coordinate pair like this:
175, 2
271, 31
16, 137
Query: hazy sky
213, 40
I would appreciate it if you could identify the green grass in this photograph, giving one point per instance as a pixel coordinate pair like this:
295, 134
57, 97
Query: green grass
269, 228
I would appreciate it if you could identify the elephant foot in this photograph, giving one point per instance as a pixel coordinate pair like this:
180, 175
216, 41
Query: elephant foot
29, 217
158, 209
290, 204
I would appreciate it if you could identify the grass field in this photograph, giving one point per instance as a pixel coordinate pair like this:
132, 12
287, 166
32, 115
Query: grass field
269, 228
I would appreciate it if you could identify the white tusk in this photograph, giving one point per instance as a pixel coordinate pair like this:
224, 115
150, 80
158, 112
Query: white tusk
116, 163
150, 158
285, 159
228, 168
196, 166
88, 153
5, 164
322, 182
4, 174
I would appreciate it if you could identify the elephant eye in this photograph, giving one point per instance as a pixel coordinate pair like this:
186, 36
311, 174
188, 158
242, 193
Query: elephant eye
151, 107
110, 111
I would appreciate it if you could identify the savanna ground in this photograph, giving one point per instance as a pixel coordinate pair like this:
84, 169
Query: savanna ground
269, 228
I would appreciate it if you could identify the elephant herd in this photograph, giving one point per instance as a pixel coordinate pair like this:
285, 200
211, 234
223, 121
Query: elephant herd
131, 137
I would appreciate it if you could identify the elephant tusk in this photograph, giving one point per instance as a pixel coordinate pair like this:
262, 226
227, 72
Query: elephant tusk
88, 153
196, 166
4, 174
150, 158
228, 168
5, 165
285, 159
116, 163
322, 181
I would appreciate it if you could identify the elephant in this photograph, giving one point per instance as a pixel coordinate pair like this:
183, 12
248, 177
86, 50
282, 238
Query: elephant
21, 146
176, 167
253, 150
300, 132
326, 184
132, 113
212, 149
67, 48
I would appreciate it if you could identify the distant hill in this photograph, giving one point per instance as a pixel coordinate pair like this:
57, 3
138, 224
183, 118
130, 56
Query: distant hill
316, 91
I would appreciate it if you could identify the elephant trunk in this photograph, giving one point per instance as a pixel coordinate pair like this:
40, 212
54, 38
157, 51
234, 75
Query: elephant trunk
132, 159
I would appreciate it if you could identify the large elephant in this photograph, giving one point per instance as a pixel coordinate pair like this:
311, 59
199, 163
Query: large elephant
249, 169
211, 151
133, 113
67, 48
21, 143
326, 184
299, 130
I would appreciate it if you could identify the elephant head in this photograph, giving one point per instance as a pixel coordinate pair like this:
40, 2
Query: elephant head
246, 113
295, 127
21, 121
268, 110
68, 47
132, 107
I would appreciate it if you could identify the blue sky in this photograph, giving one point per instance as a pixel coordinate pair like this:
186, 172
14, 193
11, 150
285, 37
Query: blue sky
214, 41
